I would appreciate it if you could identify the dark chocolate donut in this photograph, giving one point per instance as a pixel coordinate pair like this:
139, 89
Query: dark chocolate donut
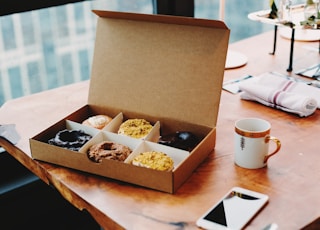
70, 139
181, 140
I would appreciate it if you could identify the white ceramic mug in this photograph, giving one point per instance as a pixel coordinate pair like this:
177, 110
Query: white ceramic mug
252, 136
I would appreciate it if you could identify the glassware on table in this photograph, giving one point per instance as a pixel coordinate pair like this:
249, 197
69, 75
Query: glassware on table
311, 9
284, 12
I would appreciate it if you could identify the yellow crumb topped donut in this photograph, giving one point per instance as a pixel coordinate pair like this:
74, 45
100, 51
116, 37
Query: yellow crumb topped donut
154, 160
136, 128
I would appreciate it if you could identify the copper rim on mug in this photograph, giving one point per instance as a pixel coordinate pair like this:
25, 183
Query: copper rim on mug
252, 134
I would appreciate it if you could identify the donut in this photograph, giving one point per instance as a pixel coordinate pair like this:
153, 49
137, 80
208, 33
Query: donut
136, 128
181, 140
70, 139
154, 160
97, 121
108, 150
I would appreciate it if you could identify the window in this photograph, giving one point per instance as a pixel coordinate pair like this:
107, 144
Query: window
46, 48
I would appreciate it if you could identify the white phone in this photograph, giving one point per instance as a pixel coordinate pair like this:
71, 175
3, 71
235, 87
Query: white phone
234, 210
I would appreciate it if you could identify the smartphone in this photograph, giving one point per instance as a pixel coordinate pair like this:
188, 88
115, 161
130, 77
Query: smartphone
234, 210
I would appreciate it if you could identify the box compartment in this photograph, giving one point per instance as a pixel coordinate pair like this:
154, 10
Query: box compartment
165, 69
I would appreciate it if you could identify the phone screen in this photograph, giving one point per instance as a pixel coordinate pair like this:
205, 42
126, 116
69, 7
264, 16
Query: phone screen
235, 209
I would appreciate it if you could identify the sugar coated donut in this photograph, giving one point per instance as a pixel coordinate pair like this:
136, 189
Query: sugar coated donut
70, 139
136, 128
154, 160
181, 140
108, 150
97, 121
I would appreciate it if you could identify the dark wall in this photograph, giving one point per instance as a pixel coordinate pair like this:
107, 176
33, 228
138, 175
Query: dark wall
15, 6
171, 7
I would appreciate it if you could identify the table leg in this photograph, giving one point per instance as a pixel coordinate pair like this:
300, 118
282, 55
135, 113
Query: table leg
291, 50
274, 40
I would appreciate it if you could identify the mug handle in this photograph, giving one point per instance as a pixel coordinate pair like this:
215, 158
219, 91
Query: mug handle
278, 143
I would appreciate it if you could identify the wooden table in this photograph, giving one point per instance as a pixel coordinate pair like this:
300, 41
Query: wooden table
291, 179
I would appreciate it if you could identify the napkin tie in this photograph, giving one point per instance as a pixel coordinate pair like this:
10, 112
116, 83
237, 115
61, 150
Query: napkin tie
281, 93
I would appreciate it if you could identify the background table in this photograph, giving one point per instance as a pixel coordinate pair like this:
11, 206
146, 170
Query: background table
291, 179
297, 16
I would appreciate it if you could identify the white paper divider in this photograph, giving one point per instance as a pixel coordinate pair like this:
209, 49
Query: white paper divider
114, 124
154, 134
71, 125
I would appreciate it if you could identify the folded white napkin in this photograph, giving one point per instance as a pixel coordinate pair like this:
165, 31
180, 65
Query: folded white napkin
9, 133
281, 93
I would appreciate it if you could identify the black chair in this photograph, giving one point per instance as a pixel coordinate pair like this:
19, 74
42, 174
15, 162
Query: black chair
174, 7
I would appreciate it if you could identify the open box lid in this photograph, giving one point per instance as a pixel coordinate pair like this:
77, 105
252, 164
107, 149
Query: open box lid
163, 66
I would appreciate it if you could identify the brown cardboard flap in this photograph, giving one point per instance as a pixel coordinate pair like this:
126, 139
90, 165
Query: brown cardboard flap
163, 66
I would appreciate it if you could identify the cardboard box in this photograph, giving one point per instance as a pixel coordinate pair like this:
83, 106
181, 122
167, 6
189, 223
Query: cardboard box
166, 69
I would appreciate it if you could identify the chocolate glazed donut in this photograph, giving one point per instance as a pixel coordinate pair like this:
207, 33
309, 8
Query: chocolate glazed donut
108, 150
